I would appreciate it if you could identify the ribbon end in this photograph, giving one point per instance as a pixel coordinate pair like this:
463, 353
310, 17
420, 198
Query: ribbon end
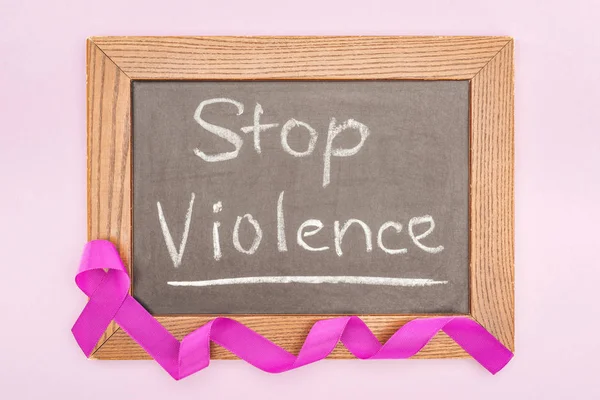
501, 363
86, 347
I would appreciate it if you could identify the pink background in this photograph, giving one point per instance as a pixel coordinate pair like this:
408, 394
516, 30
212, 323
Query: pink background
43, 202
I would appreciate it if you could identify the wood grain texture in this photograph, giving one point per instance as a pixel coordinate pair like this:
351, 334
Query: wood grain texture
287, 331
113, 62
374, 57
109, 156
492, 196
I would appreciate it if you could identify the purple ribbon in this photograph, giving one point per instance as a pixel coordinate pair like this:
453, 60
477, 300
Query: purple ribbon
104, 279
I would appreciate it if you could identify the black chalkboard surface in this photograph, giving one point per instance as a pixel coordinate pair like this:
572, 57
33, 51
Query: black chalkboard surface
326, 197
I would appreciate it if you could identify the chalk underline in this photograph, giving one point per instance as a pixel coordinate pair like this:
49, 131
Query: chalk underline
353, 280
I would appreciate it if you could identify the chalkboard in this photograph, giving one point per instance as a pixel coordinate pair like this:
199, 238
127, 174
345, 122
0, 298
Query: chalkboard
301, 197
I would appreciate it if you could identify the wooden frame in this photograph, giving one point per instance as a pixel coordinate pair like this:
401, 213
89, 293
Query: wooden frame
487, 62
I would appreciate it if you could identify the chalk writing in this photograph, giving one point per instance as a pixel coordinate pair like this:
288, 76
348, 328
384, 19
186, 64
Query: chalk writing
311, 234
309, 228
176, 255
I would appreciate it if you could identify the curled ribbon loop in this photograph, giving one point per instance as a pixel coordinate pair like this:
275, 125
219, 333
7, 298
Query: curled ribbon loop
104, 279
